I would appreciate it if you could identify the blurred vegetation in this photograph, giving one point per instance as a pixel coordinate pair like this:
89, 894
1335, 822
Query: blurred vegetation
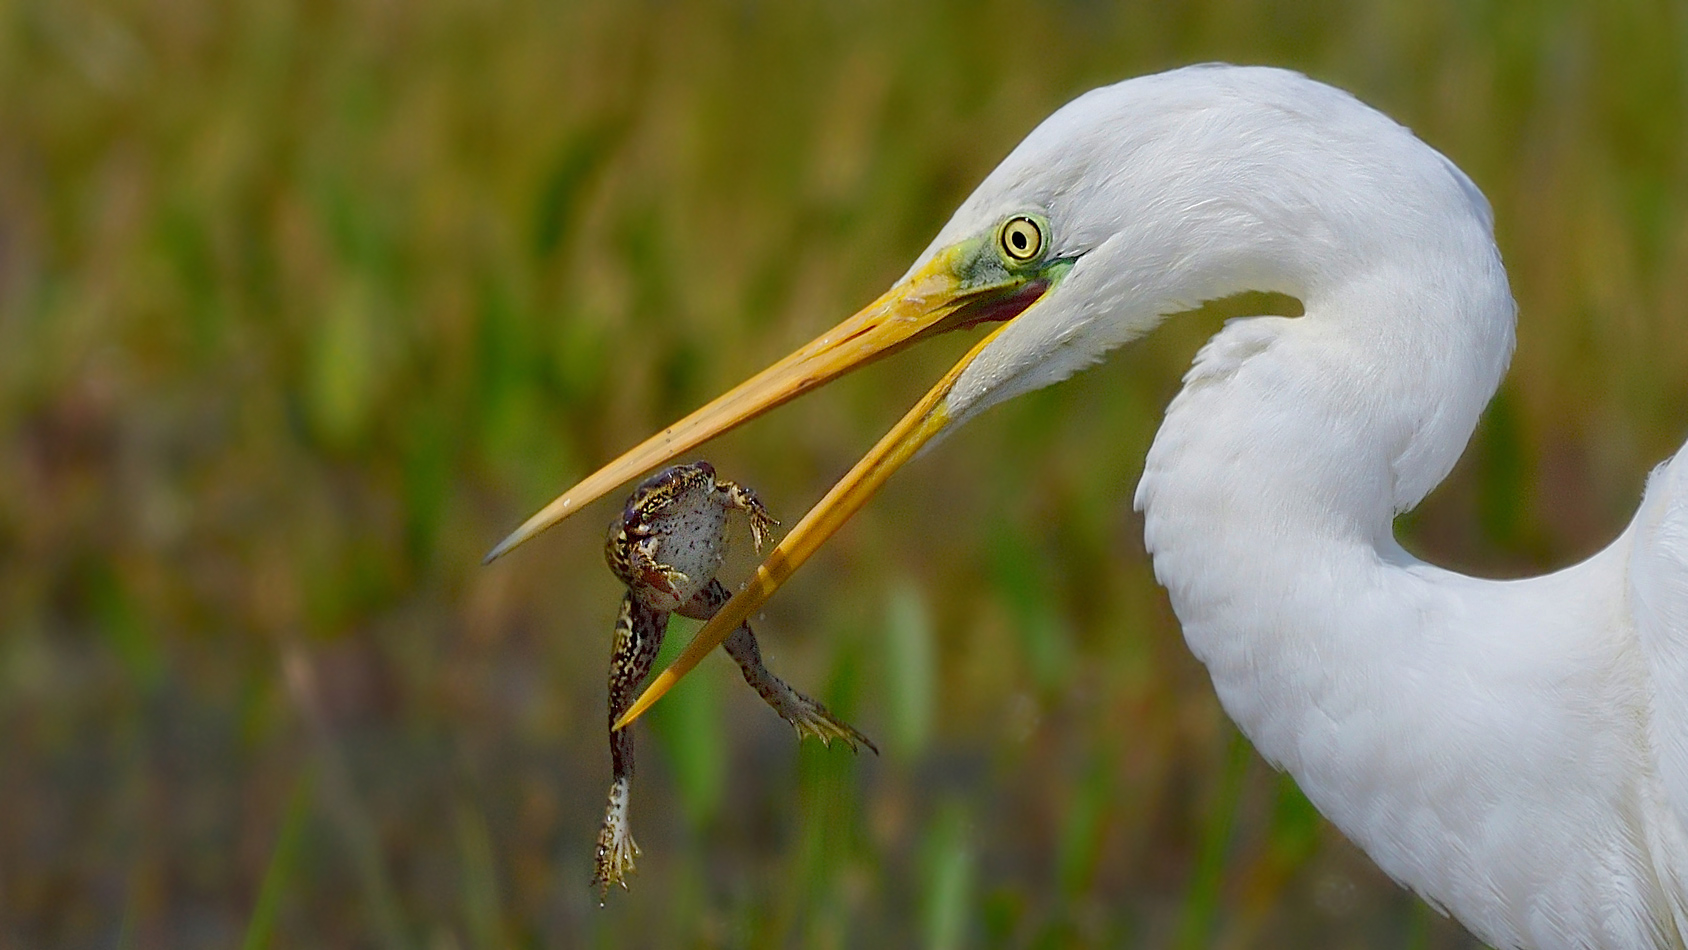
303, 306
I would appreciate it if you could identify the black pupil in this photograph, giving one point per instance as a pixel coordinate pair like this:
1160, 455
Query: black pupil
1020, 239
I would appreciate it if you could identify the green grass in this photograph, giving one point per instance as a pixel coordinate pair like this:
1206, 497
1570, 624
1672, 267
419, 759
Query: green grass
260, 929
302, 307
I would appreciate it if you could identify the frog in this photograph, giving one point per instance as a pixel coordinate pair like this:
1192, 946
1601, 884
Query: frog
667, 546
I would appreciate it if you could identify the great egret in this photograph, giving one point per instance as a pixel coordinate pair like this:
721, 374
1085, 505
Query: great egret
1514, 751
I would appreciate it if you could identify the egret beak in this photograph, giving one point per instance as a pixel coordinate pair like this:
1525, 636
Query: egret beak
932, 300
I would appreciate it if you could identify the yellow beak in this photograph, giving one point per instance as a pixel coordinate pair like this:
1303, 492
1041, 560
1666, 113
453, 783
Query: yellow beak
931, 300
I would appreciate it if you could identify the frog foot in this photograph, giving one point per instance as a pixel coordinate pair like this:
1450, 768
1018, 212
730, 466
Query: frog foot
810, 718
761, 523
616, 848
663, 586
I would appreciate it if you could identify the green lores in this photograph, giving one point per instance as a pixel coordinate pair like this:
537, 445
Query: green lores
1003, 272
1010, 255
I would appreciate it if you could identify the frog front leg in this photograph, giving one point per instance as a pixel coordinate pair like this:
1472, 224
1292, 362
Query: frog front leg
657, 584
734, 495
808, 716
638, 637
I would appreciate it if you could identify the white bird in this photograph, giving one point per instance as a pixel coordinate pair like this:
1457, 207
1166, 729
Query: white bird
1514, 751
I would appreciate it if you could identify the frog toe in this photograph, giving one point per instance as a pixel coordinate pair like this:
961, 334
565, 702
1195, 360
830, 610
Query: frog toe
815, 721
616, 851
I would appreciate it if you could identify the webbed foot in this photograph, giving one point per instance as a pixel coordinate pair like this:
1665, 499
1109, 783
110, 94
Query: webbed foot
810, 718
616, 848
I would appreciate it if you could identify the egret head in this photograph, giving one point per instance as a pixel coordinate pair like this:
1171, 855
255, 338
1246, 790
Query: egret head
1131, 202
1151, 196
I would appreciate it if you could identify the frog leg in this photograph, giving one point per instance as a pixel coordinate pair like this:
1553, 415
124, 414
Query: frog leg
648, 574
745, 500
808, 716
638, 636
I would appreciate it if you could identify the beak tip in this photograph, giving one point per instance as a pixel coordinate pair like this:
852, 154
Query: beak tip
501, 549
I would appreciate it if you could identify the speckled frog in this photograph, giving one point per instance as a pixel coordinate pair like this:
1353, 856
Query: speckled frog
666, 547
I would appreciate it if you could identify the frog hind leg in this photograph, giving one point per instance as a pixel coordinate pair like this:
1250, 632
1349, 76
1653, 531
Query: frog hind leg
638, 636
808, 716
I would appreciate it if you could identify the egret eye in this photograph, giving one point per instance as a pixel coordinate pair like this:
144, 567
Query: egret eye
1021, 238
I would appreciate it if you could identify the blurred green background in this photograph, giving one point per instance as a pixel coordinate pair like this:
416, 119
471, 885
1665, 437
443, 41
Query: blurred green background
302, 307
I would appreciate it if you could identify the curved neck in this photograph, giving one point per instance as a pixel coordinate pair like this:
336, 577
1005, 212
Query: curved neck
1361, 406
1295, 442
1268, 500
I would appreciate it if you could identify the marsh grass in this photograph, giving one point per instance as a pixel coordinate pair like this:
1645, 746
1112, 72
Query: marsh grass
303, 306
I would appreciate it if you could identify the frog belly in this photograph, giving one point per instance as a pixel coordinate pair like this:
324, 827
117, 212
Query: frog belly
694, 544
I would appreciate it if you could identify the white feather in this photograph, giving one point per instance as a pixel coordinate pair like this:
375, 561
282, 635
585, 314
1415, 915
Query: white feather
1514, 751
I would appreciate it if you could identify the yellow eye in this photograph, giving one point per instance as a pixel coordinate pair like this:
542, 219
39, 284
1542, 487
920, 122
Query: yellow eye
1021, 238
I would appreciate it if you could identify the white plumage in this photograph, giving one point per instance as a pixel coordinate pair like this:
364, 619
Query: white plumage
1514, 751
